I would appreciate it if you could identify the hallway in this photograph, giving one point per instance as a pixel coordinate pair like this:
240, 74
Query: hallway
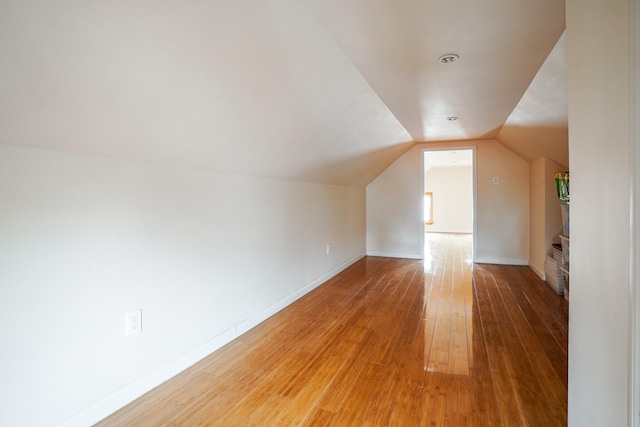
387, 342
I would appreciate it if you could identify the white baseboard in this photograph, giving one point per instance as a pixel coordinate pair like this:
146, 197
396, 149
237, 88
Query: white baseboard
133, 391
539, 272
243, 327
394, 255
502, 261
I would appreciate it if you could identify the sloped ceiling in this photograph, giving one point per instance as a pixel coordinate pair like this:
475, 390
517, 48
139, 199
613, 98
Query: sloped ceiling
396, 45
321, 91
538, 126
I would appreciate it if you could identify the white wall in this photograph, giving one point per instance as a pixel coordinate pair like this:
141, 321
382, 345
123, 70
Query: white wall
545, 219
452, 189
394, 205
86, 239
599, 151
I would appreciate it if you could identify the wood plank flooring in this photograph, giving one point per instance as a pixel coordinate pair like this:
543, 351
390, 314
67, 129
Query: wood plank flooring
388, 342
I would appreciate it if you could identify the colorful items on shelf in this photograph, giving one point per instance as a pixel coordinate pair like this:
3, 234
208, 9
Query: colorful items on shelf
562, 186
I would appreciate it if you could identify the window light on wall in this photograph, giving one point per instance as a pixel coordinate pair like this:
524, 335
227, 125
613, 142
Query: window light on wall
428, 208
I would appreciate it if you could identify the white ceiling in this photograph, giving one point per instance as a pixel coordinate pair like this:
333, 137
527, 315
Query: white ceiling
328, 91
396, 44
447, 158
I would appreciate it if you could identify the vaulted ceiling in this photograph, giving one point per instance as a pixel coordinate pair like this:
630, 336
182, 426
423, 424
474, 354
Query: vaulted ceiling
328, 91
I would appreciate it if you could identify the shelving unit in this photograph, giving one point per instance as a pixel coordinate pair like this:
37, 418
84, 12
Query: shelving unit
557, 269
564, 266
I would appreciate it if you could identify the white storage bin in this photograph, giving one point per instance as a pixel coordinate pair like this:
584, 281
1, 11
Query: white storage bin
565, 278
557, 254
554, 275
565, 252
565, 219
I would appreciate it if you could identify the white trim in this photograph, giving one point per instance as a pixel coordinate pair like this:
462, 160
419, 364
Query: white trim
475, 206
395, 254
450, 232
501, 261
634, 217
539, 272
128, 394
243, 327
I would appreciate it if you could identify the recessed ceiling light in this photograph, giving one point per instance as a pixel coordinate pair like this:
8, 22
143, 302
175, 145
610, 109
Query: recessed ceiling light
453, 118
449, 58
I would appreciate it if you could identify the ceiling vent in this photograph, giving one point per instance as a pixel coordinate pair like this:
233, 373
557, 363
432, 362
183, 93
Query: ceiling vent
449, 58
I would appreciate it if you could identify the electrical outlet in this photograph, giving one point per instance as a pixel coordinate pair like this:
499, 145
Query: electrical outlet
328, 249
133, 323
496, 180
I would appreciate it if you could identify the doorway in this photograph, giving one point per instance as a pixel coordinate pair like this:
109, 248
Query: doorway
449, 190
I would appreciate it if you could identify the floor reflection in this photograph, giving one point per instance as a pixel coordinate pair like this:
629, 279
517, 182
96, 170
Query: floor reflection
388, 341
432, 242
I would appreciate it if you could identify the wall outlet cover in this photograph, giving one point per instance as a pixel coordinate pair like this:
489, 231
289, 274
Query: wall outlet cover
133, 323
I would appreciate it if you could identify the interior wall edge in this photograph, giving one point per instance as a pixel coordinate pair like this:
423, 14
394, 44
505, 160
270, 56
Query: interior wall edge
394, 255
634, 160
501, 261
540, 273
391, 161
513, 151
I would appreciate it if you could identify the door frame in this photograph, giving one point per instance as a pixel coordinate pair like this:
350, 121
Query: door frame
634, 250
426, 150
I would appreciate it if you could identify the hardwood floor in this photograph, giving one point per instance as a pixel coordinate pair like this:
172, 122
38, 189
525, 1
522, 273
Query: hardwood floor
388, 342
